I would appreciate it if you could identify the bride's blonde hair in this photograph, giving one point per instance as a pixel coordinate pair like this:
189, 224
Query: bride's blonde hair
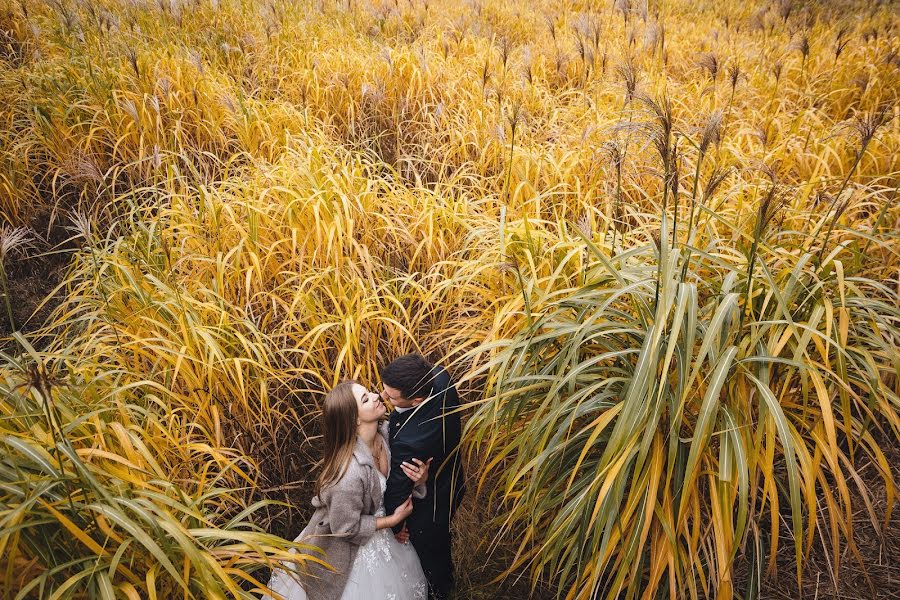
340, 414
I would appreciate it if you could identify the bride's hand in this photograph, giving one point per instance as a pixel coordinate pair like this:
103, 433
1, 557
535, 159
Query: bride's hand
402, 511
418, 473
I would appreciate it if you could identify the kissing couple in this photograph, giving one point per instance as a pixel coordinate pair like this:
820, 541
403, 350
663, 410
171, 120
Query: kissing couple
386, 492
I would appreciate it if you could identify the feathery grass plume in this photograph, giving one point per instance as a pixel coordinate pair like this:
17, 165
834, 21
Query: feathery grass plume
651, 37
861, 81
528, 65
504, 52
661, 127
514, 117
734, 75
891, 57
870, 34
772, 203
865, 128
624, 7
785, 8
596, 32
630, 75
660, 131
561, 59
550, 22
710, 135
632, 36
762, 133
14, 241
709, 62
802, 46
777, 70
714, 181
758, 19
585, 229
615, 152
580, 44
131, 55
841, 41
711, 132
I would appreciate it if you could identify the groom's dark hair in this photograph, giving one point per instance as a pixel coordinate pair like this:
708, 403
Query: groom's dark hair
410, 374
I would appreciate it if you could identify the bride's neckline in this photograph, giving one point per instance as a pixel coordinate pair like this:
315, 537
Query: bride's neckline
376, 455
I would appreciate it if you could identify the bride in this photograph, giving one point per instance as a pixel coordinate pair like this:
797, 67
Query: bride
349, 524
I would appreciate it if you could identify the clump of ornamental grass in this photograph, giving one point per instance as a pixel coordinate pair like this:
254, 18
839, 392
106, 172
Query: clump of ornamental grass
235, 365
98, 497
638, 426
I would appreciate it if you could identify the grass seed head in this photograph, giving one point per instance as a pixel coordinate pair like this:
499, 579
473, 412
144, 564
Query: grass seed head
734, 75
868, 124
715, 180
629, 74
711, 131
15, 240
710, 63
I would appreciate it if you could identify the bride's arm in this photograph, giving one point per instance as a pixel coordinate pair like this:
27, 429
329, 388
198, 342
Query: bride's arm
345, 509
403, 511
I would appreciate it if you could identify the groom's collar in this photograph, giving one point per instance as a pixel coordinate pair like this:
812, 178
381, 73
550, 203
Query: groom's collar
401, 410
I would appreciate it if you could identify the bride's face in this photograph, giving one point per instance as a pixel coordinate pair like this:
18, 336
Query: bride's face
370, 406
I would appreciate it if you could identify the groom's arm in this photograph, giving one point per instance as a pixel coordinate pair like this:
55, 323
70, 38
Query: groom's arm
399, 486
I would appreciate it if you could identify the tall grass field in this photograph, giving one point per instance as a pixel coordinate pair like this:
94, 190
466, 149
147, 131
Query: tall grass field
656, 242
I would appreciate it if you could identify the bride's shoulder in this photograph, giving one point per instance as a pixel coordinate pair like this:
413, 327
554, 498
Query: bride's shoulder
350, 479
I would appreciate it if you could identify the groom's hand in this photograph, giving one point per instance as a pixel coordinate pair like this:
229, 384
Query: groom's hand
403, 536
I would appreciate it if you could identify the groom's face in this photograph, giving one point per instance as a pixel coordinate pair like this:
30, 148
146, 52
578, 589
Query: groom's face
393, 395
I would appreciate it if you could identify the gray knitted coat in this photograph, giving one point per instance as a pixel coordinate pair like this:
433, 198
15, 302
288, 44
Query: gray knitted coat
344, 520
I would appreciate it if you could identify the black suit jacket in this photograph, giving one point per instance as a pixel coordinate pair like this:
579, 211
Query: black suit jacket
427, 431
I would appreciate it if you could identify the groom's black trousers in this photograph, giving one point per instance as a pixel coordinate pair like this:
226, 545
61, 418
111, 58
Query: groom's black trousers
433, 547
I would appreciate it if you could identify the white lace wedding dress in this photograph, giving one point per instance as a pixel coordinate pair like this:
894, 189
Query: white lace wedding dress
384, 569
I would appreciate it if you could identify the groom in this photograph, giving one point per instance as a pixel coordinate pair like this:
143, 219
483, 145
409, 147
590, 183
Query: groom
421, 427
